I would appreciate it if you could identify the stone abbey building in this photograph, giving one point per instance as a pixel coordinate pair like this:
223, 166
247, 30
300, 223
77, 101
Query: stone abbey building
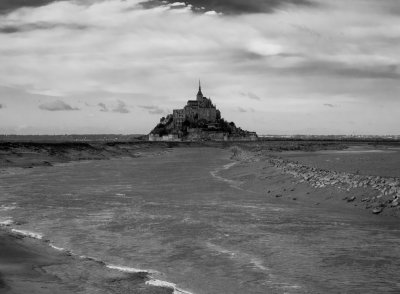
196, 110
198, 120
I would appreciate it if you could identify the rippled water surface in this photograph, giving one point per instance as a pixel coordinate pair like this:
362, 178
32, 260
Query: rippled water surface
175, 215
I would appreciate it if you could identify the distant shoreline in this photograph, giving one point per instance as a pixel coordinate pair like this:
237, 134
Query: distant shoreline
28, 154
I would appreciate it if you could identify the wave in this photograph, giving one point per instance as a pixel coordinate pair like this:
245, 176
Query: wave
7, 207
164, 284
29, 234
6, 222
215, 173
151, 280
126, 269
56, 247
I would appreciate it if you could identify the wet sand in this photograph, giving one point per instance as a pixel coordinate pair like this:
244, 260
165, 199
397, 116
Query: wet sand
31, 154
29, 263
360, 178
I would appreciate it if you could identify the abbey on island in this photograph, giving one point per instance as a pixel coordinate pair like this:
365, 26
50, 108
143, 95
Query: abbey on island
196, 110
198, 120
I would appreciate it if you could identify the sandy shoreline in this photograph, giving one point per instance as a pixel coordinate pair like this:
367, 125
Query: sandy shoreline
30, 263
288, 180
34, 264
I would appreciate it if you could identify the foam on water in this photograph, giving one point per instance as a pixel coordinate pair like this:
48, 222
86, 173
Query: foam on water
160, 283
6, 222
219, 249
7, 207
152, 281
126, 269
28, 234
215, 173
257, 263
56, 247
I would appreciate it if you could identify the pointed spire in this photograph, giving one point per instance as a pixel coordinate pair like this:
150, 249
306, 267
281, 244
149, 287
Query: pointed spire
199, 94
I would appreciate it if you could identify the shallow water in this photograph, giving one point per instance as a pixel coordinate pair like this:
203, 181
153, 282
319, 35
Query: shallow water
365, 160
178, 217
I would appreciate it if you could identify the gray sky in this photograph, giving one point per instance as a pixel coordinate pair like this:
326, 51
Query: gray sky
275, 67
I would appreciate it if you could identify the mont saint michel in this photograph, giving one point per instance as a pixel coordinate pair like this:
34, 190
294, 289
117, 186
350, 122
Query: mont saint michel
198, 120
199, 147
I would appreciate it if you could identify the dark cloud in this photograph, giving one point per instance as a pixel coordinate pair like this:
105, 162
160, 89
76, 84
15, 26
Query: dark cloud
362, 71
329, 105
2, 106
250, 95
103, 107
11, 29
243, 110
233, 6
10, 5
57, 105
153, 109
121, 108
310, 67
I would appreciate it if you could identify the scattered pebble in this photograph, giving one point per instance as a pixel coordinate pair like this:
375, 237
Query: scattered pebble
351, 199
388, 188
377, 210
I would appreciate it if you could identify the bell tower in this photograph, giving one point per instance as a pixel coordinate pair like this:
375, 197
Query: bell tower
199, 93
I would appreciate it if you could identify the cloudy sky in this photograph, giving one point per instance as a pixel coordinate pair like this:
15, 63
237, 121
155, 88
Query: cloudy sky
272, 66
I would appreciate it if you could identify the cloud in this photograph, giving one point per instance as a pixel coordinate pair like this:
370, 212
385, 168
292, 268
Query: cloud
244, 110
12, 29
250, 95
10, 5
233, 6
103, 107
2, 106
121, 107
57, 105
329, 105
153, 109
293, 58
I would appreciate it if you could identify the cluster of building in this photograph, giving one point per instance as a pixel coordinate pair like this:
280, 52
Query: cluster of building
195, 110
198, 120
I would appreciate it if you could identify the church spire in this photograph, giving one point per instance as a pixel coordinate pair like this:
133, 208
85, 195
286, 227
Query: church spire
199, 94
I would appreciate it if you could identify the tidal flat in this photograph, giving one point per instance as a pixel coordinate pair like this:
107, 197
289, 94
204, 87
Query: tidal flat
199, 218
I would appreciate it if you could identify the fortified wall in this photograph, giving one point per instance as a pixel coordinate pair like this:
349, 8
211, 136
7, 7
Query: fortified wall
198, 120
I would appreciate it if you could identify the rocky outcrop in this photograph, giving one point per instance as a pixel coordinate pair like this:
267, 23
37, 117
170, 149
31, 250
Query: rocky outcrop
387, 188
199, 120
